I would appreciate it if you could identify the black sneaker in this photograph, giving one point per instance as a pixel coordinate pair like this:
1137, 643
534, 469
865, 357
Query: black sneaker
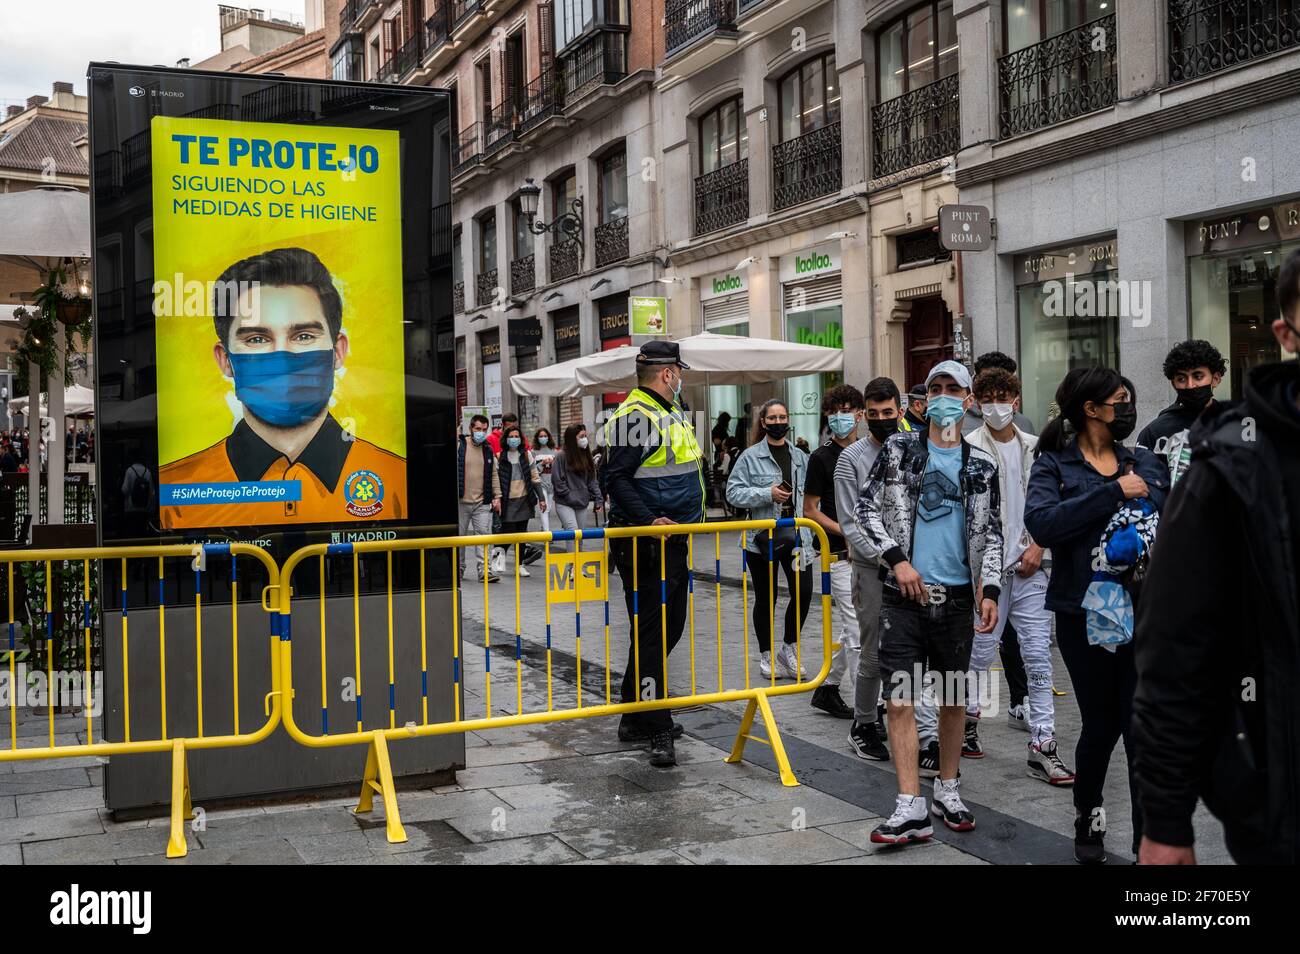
532, 553
866, 743
903, 827
634, 733
928, 761
1090, 837
827, 699
662, 752
882, 723
970, 746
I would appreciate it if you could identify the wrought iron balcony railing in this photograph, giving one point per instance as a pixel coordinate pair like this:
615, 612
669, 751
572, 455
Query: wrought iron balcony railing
458, 297
523, 275
462, 10
485, 288
437, 29
499, 130
541, 98
918, 127
1210, 35
687, 20
599, 60
611, 241
467, 148
348, 13
722, 197
408, 55
806, 168
566, 259
1068, 75
442, 238
108, 172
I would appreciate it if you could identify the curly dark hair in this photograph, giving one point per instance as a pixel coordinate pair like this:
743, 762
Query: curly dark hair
995, 359
841, 394
994, 381
1189, 355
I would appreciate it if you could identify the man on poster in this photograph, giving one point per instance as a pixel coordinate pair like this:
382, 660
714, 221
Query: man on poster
278, 323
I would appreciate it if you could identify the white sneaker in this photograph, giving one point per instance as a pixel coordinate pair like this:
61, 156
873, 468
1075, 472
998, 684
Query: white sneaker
1018, 717
949, 806
908, 823
523, 571
787, 663
765, 665
1045, 763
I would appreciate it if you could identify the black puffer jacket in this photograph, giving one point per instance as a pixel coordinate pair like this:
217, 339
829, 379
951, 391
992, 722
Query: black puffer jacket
1217, 711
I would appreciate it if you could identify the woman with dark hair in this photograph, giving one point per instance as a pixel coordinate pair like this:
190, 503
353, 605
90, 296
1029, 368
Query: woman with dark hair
521, 489
1082, 476
573, 476
768, 481
544, 451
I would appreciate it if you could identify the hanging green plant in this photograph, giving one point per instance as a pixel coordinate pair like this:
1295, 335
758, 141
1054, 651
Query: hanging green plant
59, 308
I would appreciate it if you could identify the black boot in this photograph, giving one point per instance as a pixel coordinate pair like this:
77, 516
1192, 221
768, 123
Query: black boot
827, 699
663, 754
1090, 836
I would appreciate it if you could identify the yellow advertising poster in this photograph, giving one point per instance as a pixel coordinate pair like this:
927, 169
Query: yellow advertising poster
278, 296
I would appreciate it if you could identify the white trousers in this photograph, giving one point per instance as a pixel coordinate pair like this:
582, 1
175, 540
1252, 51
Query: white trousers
1022, 603
846, 657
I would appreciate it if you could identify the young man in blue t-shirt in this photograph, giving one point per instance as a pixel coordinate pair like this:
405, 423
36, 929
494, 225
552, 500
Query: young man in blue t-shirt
930, 511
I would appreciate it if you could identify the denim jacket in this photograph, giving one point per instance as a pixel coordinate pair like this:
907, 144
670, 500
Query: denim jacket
750, 486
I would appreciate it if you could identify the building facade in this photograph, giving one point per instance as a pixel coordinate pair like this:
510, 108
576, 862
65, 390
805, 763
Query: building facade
1134, 157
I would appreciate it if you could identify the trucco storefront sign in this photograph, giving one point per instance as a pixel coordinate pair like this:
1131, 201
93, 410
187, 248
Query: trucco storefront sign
810, 263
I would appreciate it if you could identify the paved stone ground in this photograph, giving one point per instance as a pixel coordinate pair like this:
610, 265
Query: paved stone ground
572, 793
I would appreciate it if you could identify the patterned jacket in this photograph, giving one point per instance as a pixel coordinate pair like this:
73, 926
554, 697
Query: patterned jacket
886, 511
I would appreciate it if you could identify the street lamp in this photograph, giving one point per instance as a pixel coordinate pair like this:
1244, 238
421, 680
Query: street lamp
566, 226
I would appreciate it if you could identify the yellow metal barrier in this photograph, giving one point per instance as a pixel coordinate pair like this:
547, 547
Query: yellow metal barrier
378, 777
198, 557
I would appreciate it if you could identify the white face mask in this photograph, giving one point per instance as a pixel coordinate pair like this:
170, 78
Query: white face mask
998, 415
582, 442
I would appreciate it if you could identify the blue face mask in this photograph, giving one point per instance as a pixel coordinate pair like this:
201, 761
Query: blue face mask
542, 440
480, 437
513, 443
944, 409
842, 425
284, 388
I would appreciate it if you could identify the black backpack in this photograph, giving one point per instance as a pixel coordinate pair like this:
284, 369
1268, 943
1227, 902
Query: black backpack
139, 489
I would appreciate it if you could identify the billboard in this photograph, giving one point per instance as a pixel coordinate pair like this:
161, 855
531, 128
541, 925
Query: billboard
277, 290
273, 282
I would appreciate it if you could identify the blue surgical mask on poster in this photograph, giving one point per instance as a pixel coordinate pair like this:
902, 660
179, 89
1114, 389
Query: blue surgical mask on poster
284, 388
842, 425
944, 409
513, 443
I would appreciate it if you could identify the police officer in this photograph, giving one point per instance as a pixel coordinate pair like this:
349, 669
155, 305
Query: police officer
653, 475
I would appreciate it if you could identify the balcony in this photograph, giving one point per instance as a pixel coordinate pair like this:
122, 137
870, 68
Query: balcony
1206, 36
458, 297
368, 14
485, 288
467, 149
698, 33
108, 173
1058, 79
470, 19
283, 103
722, 197
136, 161
566, 259
439, 49
540, 104
806, 168
918, 127
597, 65
523, 275
348, 14
499, 129
442, 238
611, 241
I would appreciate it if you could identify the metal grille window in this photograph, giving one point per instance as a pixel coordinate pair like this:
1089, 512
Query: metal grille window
1210, 35
921, 248
726, 311
805, 295
1069, 74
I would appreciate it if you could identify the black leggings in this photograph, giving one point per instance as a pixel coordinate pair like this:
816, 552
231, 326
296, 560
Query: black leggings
1104, 683
758, 569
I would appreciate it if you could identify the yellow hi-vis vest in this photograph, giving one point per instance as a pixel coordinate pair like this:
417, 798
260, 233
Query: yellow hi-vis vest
675, 449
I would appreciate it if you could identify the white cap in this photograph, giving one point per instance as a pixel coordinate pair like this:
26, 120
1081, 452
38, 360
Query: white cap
954, 369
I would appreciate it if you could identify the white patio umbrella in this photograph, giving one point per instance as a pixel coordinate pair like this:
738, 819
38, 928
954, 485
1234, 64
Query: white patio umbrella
561, 380
721, 359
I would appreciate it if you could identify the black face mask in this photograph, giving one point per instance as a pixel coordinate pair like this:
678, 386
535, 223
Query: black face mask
1195, 399
883, 428
1124, 422
776, 431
